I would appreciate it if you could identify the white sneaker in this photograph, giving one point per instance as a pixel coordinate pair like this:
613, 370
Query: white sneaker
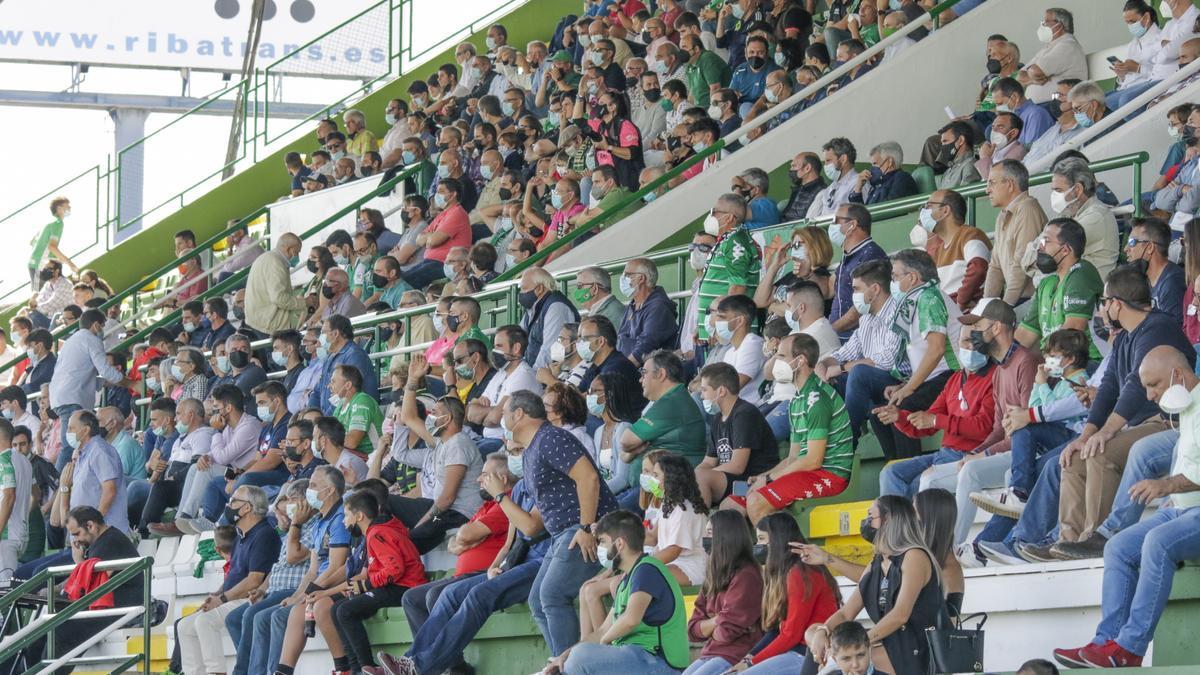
202, 524
1006, 503
968, 558
185, 525
997, 554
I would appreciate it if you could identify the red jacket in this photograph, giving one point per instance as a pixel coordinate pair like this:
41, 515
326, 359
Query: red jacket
83, 580
803, 610
392, 559
962, 429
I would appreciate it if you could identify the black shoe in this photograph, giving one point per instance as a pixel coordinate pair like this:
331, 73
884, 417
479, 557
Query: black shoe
1092, 547
1036, 553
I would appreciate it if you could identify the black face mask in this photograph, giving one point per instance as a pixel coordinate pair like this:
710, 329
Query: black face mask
239, 359
1046, 263
652, 95
239, 313
760, 554
327, 292
1142, 265
312, 266
527, 299
46, 274
505, 194
979, 343
1100, 329
794, 176
756, 62
485, 495
707, 543
443, 146
453, 322
293, 454
867, 530
1189, 131
1115, 324
646, 38
993, 66
355, 531
673, 143
946, 154
378, 280
630, 81
404, 217
231, 514
499, 360
385, 334
601, 111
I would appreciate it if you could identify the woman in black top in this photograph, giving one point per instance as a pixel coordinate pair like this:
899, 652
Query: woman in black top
617, 139
901, 591
938, 512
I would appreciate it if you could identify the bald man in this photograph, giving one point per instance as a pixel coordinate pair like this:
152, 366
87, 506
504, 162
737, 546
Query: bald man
1140, 561
336, 298
271, 304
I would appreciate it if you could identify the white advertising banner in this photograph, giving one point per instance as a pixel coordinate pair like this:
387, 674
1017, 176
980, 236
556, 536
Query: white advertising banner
200, 34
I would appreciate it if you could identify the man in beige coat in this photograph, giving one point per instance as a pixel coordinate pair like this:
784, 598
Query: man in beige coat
271, 304
1019, 222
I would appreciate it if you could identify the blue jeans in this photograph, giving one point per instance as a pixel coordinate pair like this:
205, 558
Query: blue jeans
901, 478
864, 388
461, 611
712, 665
269, 629
786, 663
32, 567
552, 596
1119, 97
590, 658
628, 500
1028, 446
64, 413
425, 273
241, 622
1039, 521
1139, 566
1150, 457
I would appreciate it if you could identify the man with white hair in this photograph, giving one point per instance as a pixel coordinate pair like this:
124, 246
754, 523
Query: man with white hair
359, 139
336, 298
201, 634
1061, 58
1086, 101
886, 179
271, 304
735, 262
1073, 195
546, 312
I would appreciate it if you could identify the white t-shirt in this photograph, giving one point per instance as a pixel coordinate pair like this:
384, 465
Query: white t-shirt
29, 421
503, 384
827, 338
748, 360
685, 528
356, 464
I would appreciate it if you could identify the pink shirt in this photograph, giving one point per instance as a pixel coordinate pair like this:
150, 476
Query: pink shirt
437, 351
453, 222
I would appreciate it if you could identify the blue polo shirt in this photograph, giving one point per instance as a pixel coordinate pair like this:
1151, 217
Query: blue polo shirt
843, 294
272, 436
329, 533
256, 551
548, 461
521, 497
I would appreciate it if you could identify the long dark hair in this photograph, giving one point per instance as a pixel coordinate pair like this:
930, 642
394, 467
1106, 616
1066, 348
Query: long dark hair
622, 397
782, 530
937, 511
732, 549
679, 484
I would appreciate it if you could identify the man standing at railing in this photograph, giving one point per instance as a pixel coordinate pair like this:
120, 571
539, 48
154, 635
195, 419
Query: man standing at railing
80, 361
45, 244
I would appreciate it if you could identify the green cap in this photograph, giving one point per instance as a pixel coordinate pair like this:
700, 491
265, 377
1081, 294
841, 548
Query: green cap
561, 55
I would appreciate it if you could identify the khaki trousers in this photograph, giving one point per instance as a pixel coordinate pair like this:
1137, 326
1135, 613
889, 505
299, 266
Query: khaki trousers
1090, 486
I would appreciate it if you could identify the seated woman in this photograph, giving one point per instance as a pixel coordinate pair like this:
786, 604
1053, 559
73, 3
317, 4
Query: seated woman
796, 596
901, 589
614, 397
809, 254
728, 608
675, 538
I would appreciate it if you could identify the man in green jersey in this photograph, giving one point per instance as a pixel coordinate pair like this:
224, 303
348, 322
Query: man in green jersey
1066, 297
358, 412
735, 261
822, 448
16, 482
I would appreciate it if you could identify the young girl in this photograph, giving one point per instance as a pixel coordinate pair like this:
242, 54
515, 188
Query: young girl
796, 595
675, 523
728, 608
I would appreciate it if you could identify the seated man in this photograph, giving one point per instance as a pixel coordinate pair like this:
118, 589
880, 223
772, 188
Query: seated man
961, 252
672, 421
740, 443
821, 454
886, 179
465, 605
597, 346
201, 635
360, 417
957, 155
1002, 143
234, 447
732, 322
475, 545
1073, 195
1067, 296
1140, 562
806, 314
1147, 248
172, 469
1060, 57
646, 630
651, 318
928, 320
873, 343
805, 175
1083, 107
266, 470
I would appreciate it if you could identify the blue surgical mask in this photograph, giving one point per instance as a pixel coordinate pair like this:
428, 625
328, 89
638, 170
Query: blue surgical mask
699, 146
440, 200
486, 171
836, 236
926, 219
1137, 30
724, 332
408, 157
443, 171
389, 118
223, 364
322, 352
792, 322
780, 59
176, 372
1083, 120
738, 12
831, 171
710, 407
72, 439
448, 271
971, 359
264, 413
626, 286
506, 108
894, 288
556, 200
514, 463
509, 260
896, 5
649, 197
278, 358
594, 406
313, 498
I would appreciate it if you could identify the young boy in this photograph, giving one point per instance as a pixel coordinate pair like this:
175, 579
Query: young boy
1054, 416
393, 567
851, 649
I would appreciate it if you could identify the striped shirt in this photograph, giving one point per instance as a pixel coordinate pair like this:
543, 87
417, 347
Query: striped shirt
818, 413
874, 339
734, 261
286, 576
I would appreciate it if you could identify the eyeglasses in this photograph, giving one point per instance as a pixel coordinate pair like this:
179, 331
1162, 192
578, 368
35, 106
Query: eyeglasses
930, 204
703, 248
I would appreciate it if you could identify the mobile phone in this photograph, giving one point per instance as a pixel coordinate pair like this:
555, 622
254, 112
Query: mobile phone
231, 473
740, 488
1114, 60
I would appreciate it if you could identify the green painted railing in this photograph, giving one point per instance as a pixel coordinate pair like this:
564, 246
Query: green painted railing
126, 570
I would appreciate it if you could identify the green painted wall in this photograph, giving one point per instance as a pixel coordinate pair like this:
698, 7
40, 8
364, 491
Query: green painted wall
267, 181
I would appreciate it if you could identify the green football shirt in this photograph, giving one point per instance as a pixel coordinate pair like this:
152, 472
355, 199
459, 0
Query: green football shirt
361, 413
817, 413
1076, 297
734, 261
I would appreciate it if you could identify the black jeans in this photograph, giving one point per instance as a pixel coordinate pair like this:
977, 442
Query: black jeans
430, 534
894, 443
349, 614
164, 494
66, 638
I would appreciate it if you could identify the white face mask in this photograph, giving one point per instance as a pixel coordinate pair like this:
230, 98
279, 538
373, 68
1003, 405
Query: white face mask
1059, 201
918, 236
781, 371
1176, 399
712, 226
861, 304
999, 139
1045, 33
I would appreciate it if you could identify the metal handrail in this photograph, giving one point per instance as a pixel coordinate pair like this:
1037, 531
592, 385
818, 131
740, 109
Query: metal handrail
128, 569
634, 199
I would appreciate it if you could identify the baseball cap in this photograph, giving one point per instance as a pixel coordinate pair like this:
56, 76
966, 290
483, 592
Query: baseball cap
993, 309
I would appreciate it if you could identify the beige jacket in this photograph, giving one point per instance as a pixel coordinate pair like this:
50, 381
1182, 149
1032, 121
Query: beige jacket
1017, 225
271, 304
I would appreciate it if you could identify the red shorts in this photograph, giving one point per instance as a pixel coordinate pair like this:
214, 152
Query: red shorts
782, 491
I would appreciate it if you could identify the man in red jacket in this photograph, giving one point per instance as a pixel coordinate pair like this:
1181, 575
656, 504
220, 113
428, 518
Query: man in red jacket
393, 567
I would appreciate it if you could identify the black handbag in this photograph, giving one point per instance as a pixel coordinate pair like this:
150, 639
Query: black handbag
954, 649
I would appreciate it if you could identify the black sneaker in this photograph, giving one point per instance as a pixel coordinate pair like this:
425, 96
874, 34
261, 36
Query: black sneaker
1092, 547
